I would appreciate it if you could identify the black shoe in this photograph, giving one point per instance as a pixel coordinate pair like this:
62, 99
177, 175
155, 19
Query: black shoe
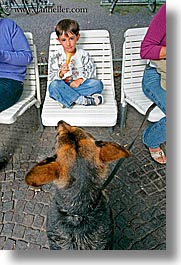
94, 100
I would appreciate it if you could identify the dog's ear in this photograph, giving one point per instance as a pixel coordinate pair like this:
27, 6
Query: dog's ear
112, 151
44, 172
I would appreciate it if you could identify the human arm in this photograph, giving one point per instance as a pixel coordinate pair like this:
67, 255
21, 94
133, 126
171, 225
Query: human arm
57, 65
63, 70
88, 69
18, 52
163, 52
153, 45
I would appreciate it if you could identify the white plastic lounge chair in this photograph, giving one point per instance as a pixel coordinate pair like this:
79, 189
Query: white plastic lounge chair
132, 72
97, 43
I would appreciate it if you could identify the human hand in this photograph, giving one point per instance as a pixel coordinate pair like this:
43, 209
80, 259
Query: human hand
76, 83
163, 52
64, 69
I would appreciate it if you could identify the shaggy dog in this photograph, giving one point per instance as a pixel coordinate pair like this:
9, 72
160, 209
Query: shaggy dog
79, 217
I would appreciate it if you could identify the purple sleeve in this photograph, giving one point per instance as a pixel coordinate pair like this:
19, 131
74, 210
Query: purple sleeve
155, 37
20, 54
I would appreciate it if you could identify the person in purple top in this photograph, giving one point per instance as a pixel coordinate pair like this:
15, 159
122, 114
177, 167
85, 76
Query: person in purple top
15, 56
153, 48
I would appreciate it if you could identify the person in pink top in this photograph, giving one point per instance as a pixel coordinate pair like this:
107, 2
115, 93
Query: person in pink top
153, 48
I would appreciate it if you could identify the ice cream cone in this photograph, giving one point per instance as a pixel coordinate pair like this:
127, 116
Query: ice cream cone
68, 57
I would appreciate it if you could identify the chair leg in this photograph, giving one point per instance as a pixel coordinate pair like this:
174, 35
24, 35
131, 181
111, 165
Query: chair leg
41, 127
111, 129
122, 112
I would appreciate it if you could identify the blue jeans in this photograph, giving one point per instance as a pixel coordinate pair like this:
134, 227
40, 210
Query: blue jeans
155, 134
10, 92
63, 93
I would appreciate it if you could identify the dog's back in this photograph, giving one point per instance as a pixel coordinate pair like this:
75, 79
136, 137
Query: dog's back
79, 217
82, 230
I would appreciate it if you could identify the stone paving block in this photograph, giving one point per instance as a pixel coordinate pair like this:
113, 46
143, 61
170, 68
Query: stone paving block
160, 183
7, 229
7, 196
31, 235
7, 206
9, 244
19, 194
38, 208
136, 222
38, 222
8, 216
124, 242
121, 221
18, 231
18, 216
150, 188
29, 207
29, 195
9, 176
149, 242
21, 245
28, 219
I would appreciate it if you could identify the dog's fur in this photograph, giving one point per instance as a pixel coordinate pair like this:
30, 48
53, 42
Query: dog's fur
79, 217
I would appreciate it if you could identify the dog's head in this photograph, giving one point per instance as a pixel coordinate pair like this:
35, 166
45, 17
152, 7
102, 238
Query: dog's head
75, 149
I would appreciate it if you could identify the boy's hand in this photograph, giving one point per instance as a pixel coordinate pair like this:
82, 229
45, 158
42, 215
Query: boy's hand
76, 83
64, 70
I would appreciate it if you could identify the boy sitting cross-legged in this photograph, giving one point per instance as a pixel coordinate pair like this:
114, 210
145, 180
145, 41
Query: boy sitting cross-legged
72, 70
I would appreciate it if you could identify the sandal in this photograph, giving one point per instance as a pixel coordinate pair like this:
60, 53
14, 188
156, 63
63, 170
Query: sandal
158, 155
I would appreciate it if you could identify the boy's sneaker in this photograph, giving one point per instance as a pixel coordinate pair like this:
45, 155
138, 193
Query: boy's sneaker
94, 100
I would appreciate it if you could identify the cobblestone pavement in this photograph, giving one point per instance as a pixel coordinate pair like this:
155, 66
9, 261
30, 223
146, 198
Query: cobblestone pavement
138, 191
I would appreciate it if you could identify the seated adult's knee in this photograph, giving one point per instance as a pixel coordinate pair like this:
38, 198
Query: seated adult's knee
144, 85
